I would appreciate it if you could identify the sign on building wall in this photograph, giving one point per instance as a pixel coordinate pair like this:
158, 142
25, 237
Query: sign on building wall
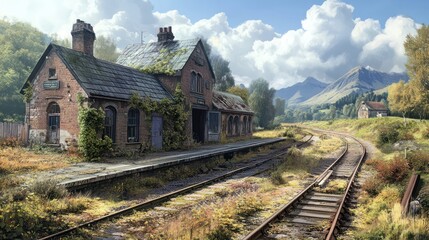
51, 84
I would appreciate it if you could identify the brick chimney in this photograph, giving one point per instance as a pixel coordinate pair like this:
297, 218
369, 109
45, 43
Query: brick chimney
165, 34
83, 37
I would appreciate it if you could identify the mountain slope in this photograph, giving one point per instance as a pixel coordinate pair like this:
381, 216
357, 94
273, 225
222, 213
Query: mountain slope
302, 91
359, 80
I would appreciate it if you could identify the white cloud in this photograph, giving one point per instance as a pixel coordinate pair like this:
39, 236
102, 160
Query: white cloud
329, 42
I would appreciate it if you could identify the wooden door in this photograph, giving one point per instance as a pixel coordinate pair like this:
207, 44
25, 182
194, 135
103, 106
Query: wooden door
157, 132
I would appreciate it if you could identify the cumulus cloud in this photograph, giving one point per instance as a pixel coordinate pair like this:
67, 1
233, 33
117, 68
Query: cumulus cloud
329, 42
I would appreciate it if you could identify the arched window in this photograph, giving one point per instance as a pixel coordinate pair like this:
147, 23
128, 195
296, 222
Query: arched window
53, 108
236, 125
229, 126
244, 126
197, 84
133, 125
110, 123
194, 82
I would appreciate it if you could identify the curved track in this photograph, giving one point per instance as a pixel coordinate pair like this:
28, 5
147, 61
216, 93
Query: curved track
314, 214
157, 201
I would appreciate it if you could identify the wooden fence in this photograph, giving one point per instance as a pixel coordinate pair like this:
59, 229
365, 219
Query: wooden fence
14, 130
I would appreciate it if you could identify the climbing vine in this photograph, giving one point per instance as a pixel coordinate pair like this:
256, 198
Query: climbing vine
174, 117
162, 64
28, 93
91, 144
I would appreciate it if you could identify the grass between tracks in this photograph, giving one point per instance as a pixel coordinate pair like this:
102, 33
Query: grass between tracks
224, 210
41, 208
401, 148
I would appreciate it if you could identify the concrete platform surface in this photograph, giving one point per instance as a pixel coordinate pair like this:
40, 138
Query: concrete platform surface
90, 172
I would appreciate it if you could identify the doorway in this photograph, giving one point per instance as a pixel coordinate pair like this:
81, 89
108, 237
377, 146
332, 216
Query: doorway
53, 135
198, 125
157, 132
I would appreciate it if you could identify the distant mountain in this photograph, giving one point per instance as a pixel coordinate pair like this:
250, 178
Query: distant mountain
359, 80
301, 91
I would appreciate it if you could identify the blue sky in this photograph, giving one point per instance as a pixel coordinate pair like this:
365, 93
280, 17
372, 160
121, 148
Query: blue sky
283, 42
285, 15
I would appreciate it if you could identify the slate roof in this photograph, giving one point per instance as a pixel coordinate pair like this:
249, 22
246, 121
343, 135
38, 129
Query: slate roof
143, 55
376, 106
230, 103
101, 78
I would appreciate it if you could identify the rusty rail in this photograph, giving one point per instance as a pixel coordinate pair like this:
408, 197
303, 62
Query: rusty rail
335, 223
258, 232
412, 183
165, 197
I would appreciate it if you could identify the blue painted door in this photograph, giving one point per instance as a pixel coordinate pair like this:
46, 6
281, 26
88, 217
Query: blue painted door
156, 132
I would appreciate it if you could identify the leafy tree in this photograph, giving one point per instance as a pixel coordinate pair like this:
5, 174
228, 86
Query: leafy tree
20, 47
59, 41
261, 101
223, 75
332, 112
239, 91
400, 98
105, 48
417, 51
280, 106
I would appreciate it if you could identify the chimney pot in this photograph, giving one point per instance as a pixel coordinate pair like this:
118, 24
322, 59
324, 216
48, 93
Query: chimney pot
83, 37
165, 34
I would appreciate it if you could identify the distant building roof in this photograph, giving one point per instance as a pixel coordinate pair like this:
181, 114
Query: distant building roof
229, 102
100, 78
376, 106
144, 55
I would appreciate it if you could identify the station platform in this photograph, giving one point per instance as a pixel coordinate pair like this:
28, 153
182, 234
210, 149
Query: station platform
85, 173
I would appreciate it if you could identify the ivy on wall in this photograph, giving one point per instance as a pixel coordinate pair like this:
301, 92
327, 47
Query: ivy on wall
28, 93
90, 143
174, 117
162, 64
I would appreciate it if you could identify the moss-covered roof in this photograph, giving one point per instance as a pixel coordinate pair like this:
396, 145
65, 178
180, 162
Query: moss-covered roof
148, 54
227, 102
100, 78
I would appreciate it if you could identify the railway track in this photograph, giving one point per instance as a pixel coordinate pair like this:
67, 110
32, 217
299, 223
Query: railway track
313, 213
260, 161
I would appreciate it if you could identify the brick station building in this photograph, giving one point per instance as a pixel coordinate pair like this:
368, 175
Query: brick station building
62, 73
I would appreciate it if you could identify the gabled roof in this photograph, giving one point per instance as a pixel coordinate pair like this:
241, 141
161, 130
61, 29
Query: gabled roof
100, 78
145, 55
376, 106
230, 103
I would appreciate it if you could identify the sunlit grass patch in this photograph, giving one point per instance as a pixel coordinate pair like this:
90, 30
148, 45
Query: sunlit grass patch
17, 159
336, 186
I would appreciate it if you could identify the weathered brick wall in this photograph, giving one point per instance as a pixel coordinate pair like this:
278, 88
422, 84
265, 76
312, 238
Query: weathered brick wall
122, 109
65, 96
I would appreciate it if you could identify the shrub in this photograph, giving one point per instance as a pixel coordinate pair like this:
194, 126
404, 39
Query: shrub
392, 171
294, 152
387, 134
372, 186
418, 160
49, 189
27, 219
10, 142
276, 178
221, 233
424, 198
426, 133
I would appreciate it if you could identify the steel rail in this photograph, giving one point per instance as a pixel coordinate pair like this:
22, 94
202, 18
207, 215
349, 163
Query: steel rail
168, 196
336, 221
260, 230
